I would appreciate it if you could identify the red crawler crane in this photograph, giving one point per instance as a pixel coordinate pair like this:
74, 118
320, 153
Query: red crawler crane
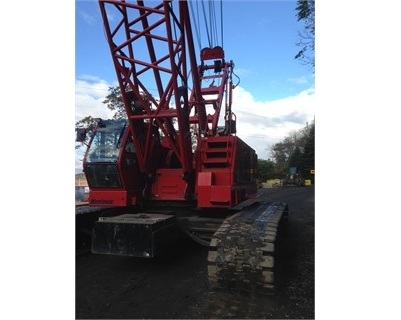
171, 152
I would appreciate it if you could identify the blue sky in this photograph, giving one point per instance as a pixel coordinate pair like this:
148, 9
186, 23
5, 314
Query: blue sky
276, 92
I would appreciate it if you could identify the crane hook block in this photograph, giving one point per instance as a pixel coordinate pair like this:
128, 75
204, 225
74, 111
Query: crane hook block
212, 54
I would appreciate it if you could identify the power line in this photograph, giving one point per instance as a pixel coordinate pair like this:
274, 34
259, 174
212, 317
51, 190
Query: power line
258, 136
104, 90
91, 88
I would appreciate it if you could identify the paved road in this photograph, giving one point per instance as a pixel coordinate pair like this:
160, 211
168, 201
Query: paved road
110, 287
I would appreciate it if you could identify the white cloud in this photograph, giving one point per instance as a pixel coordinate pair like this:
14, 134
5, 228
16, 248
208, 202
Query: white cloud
79, 155
90, 93
264, 123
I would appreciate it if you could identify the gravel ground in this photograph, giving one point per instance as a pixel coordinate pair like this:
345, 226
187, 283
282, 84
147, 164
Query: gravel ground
176, 286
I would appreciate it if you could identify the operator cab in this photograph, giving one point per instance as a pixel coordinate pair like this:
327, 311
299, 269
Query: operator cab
105, 144
101, 159
111, 167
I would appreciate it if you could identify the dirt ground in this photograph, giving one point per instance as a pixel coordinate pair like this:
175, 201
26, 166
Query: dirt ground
176, 287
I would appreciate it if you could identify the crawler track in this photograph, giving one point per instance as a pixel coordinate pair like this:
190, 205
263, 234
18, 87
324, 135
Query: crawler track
241, 247
85, 216
242, 250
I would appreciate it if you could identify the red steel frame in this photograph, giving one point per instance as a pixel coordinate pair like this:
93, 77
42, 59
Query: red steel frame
152, 49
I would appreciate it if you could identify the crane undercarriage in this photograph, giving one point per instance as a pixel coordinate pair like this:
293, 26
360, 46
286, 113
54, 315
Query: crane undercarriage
241, 244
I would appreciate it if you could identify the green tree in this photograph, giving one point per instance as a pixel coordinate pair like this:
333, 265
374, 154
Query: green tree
280, 152
308, 156
305, 11
88, 124
285, 150
295, 158
266, 169
296, 150
114, 102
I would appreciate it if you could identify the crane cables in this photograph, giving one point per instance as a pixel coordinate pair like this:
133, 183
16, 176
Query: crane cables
209, 22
